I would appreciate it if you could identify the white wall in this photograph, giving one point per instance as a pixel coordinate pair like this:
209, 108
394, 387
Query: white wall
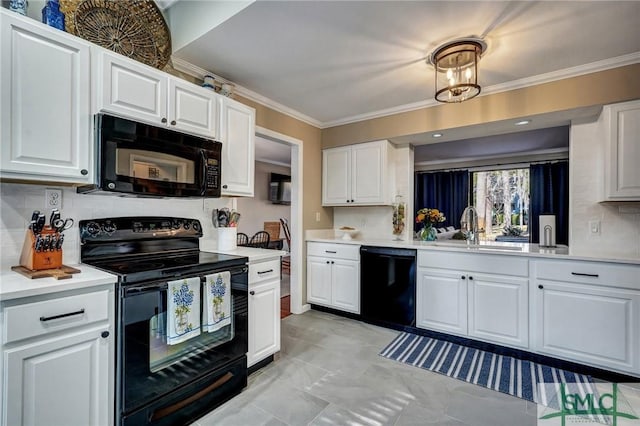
257, 210
619, 232
17, 202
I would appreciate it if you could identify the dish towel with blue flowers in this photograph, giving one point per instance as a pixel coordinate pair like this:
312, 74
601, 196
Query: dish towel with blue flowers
183, 310
217, 310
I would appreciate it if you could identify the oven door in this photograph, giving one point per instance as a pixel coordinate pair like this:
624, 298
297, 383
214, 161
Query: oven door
152, 370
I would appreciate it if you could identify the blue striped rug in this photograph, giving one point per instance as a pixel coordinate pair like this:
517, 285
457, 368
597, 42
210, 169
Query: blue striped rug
498, 372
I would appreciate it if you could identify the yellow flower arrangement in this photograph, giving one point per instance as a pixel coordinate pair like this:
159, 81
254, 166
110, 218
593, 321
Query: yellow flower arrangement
430, 216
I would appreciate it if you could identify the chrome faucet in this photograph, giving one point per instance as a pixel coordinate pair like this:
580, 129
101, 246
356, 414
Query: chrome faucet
469, 225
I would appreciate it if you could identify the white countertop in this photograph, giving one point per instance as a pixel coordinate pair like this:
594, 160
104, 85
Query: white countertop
254, 254
14, 285
487, 247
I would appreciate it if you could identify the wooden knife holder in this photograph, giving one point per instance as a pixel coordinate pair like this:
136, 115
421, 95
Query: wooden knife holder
37, 261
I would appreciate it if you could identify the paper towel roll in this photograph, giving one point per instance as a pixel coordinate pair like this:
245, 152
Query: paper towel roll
547, 230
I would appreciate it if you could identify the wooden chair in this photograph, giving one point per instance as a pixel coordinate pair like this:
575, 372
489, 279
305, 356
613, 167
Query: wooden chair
286, 260
260, 240
242, 239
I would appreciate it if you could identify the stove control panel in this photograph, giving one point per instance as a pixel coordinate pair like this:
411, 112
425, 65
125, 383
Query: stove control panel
143, 227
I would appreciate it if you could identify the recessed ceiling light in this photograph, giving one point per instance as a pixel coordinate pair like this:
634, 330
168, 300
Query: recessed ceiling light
523, 122
436, 135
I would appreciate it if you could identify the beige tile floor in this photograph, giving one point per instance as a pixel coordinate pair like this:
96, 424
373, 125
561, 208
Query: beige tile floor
329, 373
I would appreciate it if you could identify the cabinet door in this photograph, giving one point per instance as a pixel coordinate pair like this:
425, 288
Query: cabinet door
45, 117
237, 129
623, 173
63, 381
132, 90
368, 173
345, 287
264, 321
596, 325
319, 280
441, 301
336, 176
193, 109
498, 309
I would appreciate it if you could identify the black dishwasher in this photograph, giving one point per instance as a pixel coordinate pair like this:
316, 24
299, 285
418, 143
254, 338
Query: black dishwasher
388, 286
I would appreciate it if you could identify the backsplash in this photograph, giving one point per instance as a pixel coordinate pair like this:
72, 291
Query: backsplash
17, 201
373, 222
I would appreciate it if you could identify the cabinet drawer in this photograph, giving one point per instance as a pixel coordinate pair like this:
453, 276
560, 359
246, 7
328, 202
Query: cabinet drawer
601, 273
264, 271
338, 251
35, 319
475, 262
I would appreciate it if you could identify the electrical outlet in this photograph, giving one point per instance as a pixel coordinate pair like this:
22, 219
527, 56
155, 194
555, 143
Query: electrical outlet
317, 216
52, 198
594, 226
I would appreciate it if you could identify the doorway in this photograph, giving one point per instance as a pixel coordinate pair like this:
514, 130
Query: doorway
295, 222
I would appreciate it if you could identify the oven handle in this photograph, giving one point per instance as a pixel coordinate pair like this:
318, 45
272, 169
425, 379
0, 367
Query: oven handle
163, 285
170, 409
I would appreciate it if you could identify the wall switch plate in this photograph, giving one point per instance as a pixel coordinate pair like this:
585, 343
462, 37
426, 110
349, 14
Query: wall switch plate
317, 216
52, 198
594, 226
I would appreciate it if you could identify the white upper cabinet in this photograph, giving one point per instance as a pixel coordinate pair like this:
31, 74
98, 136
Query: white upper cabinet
237, 133
45, 110
336, 176
622, 173
360, 174
133, 90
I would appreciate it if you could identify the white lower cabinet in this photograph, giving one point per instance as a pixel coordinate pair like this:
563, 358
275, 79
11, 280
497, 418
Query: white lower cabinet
58, 360
60, 381
584, 313
333, 276
264, 310
499, 309
441, 301
457, 294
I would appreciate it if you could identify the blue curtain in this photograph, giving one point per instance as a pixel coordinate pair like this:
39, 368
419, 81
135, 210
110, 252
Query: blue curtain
445, 191
549, 194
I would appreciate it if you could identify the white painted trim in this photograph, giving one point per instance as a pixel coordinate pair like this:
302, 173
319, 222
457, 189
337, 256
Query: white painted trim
606, 64
297, 236
484, 157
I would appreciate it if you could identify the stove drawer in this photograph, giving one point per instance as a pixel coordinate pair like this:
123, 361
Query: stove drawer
52, 315
264, 271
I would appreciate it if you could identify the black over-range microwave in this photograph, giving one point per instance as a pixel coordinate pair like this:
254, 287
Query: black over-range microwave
143, 160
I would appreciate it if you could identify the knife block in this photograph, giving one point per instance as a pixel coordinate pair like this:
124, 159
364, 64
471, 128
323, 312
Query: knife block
37, 261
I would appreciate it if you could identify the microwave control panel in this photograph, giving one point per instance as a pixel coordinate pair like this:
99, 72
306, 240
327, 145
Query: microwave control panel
213, 173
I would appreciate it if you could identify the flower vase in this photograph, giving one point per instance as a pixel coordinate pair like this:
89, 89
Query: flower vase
52, 16
428, 233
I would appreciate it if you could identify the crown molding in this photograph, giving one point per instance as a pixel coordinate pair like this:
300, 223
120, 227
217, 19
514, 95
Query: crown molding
274, 162
619, 61
195, 71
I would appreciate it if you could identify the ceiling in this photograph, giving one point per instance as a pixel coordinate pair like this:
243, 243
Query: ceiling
333, 62
269, 151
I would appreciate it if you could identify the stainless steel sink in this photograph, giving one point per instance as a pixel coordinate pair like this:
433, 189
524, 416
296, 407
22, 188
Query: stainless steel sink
481, 246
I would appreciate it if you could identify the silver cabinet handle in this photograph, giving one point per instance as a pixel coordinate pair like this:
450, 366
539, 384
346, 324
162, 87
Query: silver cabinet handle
70, 314
265, 272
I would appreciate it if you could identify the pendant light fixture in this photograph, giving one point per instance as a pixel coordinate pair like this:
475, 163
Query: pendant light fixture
456, 65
